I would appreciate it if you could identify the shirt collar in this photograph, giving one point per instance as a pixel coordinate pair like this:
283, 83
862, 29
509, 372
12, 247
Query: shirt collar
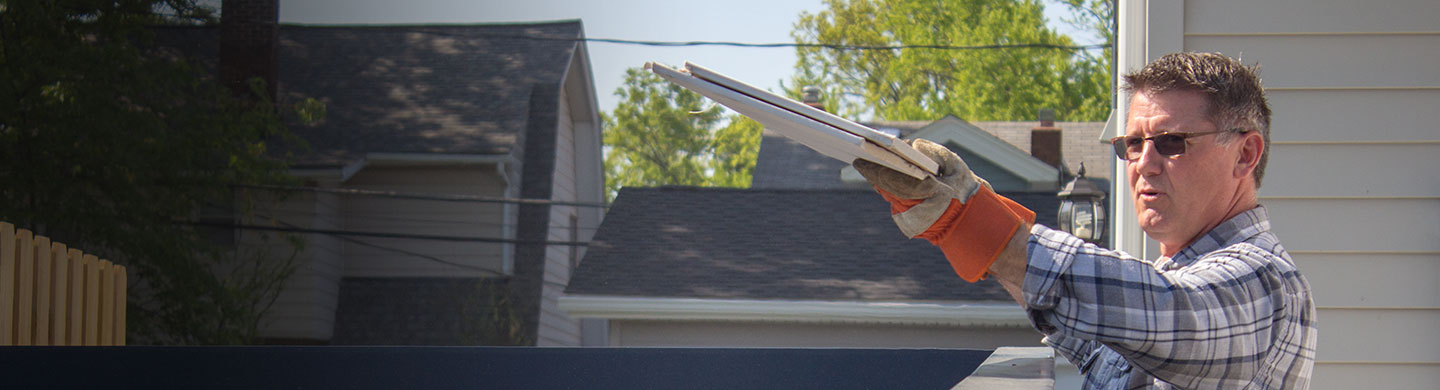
1237, 229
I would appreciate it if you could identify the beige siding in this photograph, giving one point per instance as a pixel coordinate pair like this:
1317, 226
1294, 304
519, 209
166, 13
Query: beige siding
424, 217
1374, 376
1351, 183
1379, 335
305, 308
1412, 276
1354, 115
1346, 169
1356, 224
1328, 61
557, 328
1290, 16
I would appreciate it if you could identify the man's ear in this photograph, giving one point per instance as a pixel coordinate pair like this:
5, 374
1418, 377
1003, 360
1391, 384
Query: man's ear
1251, 146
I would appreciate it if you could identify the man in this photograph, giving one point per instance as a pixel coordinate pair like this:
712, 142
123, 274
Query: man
1224, 307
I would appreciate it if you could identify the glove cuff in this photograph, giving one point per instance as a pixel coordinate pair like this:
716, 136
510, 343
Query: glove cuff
973, 234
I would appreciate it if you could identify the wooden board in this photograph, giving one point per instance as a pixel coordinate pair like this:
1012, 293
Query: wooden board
885, 140
824, 138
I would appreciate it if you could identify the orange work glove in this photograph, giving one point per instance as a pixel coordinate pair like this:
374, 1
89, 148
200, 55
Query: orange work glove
954, 210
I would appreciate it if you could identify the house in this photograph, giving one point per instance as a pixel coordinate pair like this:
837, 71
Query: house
808, 256
1000, 152
1351, 185
492, 111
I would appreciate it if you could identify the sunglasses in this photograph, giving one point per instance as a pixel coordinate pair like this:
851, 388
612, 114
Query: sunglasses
1129, 148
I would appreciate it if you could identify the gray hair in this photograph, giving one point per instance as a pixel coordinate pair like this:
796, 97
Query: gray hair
1236, 100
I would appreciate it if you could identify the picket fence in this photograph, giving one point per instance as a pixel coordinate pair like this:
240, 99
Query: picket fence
54, 295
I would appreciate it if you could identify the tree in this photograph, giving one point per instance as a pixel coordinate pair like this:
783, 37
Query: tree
736, 146
110, 149
1032, 71
1095, 68
663, 134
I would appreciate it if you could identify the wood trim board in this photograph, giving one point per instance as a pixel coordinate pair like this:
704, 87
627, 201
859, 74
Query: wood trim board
826, 133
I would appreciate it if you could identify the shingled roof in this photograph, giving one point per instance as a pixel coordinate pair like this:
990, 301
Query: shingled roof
429, 89
778, 244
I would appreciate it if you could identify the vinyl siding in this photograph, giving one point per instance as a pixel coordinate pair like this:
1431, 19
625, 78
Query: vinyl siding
425, 217
305, 308
1350, 184
578, 177
556, 327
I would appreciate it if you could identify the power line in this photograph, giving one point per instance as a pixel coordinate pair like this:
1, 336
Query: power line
357, 216
781, 45
422, 256
387, 235
424, 196
849, 47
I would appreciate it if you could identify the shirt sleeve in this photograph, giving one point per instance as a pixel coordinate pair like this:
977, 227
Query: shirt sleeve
1209, 319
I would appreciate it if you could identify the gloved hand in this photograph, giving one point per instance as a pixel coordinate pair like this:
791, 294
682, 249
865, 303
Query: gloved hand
954, 210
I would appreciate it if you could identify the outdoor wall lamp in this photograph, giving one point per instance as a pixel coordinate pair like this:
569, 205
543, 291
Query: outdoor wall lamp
1082, 208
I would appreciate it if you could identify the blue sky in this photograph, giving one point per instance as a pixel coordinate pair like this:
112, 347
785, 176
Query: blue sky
753, 21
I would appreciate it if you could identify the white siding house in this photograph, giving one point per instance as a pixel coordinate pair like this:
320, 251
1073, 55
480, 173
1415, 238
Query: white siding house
1351, 183
449, 110
577, 178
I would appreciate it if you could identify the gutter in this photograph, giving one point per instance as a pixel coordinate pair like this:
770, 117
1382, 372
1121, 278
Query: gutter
804, 311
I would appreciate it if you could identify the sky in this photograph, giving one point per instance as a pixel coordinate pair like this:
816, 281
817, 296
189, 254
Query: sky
750, 21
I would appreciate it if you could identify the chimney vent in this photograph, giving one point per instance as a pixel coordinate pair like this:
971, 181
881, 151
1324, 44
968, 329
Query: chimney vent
1047, 117
811, 97
249, 37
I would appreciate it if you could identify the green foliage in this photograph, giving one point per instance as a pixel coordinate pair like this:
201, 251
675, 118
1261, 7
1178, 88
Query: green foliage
1093, 68
735, 147
925, 84
489, 317
111, 150
663, 134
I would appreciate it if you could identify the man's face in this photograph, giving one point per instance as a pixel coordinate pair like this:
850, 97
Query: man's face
1177, 198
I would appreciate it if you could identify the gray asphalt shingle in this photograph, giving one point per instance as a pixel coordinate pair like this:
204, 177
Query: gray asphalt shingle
686, 242
451, 89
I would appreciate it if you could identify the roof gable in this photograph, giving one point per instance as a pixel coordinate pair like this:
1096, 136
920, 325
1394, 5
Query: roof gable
1034, 174
786, 164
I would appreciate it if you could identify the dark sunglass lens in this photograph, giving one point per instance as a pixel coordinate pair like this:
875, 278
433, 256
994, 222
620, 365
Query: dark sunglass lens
1119, 145
1134, 147
1169, 144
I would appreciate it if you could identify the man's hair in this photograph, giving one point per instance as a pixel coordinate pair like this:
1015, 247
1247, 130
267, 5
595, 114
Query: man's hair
1234, 97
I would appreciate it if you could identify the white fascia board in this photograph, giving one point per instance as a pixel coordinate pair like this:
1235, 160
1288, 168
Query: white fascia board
695, 309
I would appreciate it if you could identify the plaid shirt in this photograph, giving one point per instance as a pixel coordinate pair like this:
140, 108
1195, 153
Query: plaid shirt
1228, 311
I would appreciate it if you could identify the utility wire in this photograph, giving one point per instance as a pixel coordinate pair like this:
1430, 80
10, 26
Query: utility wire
424, 196
405, 252
426, 221
779, 45
420, 255
386, 235
848, 47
